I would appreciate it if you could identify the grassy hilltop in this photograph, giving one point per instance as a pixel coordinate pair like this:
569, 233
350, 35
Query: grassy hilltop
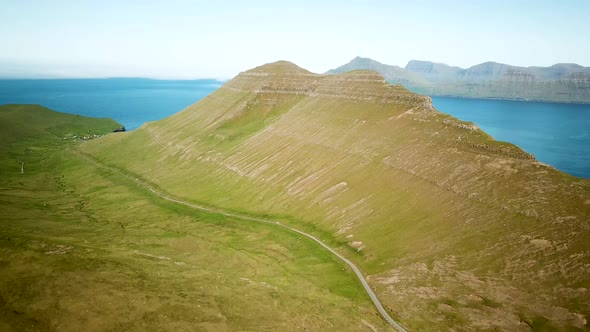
85, 248
452, 228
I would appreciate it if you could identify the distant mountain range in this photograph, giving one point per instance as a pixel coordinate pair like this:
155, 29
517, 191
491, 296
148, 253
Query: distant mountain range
563, 82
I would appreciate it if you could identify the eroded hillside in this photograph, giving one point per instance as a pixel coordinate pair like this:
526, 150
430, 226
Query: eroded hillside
452, 228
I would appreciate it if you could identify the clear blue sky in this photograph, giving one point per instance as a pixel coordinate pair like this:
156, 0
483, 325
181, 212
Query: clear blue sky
218, 39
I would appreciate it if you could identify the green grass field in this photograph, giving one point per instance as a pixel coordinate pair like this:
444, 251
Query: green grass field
86, 248
454, 230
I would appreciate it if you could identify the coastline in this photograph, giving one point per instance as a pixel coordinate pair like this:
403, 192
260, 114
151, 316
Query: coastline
510, 99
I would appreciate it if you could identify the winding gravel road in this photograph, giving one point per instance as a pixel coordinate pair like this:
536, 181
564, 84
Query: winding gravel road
356, 270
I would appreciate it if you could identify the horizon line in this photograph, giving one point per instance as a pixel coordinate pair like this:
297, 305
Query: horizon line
10, 78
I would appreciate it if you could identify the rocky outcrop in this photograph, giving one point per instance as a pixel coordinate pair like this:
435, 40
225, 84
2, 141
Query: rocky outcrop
508, 151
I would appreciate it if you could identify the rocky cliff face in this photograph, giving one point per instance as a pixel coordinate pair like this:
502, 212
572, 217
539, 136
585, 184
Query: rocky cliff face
517, 76
491, 71
581, 79
560, 82
434, 72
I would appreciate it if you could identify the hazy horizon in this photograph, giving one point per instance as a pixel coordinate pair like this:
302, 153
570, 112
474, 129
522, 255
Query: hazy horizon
195, 39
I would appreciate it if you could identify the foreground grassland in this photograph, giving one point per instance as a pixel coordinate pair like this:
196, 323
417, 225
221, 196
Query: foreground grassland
456, 231
84, 247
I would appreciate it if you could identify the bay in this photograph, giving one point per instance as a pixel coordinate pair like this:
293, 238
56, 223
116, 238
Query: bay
557, 134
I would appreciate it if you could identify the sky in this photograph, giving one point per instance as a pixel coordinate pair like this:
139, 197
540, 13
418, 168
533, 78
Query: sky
183, 39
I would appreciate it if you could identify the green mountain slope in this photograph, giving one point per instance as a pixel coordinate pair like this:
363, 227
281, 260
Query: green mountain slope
21, 122
561, 82
85, 248
452, 228
27, 129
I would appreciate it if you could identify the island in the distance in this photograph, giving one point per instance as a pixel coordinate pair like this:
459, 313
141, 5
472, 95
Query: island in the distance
563, 82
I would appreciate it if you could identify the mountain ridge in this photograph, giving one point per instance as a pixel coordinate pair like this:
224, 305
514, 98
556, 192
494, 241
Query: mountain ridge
560, 82
286, 77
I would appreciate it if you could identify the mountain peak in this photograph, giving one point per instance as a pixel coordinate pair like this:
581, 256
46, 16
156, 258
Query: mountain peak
366, 61
284, 78
280, 67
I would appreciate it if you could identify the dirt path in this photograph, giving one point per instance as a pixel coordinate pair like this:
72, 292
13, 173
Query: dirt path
356, 270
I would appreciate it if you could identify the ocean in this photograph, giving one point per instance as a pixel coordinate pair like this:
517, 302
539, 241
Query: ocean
130, 101
557, 134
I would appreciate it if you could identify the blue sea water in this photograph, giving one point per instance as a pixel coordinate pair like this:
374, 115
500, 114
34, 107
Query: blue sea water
130, 101
557, 134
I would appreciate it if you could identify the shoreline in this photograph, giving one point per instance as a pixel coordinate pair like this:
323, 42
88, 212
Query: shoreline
511, 99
